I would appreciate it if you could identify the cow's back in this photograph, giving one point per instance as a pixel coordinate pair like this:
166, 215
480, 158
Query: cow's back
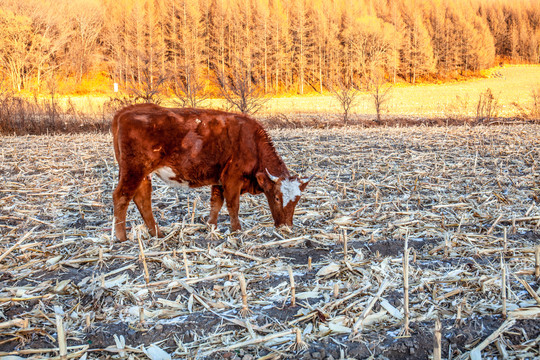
198, 142
224, 135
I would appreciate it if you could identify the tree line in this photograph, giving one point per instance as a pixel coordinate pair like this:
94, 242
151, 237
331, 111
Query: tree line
275, 46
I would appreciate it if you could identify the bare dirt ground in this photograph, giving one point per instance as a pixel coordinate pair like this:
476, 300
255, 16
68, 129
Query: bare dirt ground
449, 193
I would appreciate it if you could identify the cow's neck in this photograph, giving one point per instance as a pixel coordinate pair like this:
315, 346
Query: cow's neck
269, 158
272, 162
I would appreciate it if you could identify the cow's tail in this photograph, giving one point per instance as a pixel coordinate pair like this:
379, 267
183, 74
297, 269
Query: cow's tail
114, 130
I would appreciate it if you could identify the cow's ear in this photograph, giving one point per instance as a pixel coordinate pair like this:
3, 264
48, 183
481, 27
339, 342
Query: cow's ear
264, 181
304, 183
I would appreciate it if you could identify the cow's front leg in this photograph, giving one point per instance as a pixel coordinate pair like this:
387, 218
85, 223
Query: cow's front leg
232, 197
216, 202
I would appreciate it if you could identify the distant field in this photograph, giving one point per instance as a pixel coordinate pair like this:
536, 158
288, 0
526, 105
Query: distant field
510, 84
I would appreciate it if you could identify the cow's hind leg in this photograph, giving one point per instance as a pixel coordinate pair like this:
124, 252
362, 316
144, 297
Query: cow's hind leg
122, 195
216, 202
143, 200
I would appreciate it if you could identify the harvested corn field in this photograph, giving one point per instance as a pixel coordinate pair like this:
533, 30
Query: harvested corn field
461, 202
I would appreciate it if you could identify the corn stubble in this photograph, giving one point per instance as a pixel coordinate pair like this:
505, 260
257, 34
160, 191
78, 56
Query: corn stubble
463, 197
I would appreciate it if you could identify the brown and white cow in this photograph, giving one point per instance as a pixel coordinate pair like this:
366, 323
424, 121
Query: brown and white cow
193, 147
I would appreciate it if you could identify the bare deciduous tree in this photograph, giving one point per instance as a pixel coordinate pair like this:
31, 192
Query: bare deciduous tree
535, 108
15, 40
239, 91
189, 88
86, 26
381, 92
347, 94
151, 88
487, 107
147, 89
530, 111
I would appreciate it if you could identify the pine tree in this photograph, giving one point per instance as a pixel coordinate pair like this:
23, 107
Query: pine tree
417, 52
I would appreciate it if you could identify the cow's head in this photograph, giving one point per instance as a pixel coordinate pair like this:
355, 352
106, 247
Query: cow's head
283, 194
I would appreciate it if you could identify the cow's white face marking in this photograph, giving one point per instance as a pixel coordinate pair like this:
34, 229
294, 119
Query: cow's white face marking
290, 191
168, 176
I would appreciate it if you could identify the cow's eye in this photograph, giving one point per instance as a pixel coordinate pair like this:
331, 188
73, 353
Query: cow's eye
277, 198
